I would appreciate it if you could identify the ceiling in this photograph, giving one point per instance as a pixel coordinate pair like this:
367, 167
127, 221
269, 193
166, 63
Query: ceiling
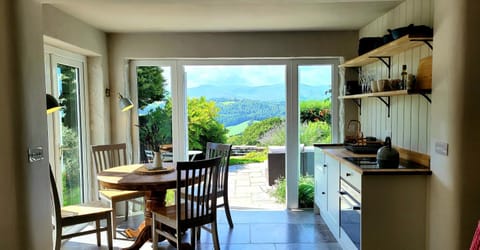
224, 15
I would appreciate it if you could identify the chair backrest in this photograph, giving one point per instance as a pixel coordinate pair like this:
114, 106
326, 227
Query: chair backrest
107, 156
198, 180
57, 208
222, 150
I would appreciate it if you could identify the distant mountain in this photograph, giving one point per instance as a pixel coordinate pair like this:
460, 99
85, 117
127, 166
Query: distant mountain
264, 93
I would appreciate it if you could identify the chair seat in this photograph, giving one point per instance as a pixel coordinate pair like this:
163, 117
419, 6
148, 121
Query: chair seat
168, 215
119, 195
89, 208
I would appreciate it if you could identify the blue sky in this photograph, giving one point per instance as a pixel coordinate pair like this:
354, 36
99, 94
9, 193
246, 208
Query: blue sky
254, 75
250, 75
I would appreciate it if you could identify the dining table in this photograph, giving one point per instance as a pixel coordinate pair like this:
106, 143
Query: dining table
154, 183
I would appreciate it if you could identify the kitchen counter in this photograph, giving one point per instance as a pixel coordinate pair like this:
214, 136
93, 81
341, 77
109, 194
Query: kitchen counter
338, 152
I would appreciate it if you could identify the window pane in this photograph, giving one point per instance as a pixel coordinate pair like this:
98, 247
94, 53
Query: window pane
154, 110
67, 78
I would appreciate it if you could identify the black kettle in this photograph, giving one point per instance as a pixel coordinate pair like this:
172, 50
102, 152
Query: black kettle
388, 157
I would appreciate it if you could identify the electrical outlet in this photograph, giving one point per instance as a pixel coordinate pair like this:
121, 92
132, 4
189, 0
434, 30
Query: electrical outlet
35, 154
441, 148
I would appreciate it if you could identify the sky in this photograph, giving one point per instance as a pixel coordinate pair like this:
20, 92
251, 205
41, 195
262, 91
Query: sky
249, 75
254, 75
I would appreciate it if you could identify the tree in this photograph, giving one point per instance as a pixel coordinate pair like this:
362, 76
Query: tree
151, 85
202, 124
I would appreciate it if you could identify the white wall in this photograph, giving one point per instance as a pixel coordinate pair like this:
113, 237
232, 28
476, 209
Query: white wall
410, 117
68, 33
24, 187
455, 185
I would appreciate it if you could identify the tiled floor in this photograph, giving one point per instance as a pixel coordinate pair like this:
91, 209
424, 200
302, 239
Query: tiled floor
254, 229
260, 222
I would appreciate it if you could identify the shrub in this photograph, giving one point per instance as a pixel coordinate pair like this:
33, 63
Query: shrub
251, 157
306, 189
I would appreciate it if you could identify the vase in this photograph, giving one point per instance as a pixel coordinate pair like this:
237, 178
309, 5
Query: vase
157, 161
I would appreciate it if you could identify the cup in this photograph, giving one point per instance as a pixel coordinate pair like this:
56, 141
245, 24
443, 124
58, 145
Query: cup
374, 86
381, 85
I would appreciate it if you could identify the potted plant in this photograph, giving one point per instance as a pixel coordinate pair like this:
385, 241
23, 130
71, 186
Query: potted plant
152, 140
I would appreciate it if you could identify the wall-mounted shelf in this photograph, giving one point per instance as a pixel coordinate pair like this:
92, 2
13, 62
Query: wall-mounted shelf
390, 49
380, 95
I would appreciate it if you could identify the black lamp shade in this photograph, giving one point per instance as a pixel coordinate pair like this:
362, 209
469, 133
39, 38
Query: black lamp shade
52, 104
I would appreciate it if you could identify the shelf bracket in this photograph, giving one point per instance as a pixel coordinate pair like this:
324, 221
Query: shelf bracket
426, 41
387, 62
358, 102
428, 44
426, 97
386, 102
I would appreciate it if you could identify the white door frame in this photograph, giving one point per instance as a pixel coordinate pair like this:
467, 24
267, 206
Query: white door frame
54, 56
179, 116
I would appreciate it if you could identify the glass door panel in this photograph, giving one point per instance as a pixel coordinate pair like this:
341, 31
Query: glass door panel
154, 102
68, 80
64, 80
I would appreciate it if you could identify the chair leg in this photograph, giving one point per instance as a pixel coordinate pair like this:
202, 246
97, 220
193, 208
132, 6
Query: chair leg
109, 232
216, 243
97, 232
154, 233
126, 210
114, 219
227, 210
58, 237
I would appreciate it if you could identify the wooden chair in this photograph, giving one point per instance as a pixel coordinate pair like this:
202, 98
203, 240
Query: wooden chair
199, 177
222, 150
78, 214
107, 156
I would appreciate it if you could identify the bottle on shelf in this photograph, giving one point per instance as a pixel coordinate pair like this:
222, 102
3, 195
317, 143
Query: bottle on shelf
404, 75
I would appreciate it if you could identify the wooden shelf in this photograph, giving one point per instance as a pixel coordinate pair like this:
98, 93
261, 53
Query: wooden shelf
380, 95
387, 93
395, 47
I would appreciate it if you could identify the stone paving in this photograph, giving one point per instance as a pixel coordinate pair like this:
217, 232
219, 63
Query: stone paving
248, 188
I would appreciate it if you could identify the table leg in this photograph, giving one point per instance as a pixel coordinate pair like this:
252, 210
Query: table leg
153, 199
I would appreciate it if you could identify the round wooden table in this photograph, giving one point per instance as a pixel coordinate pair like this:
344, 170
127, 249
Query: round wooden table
154, 185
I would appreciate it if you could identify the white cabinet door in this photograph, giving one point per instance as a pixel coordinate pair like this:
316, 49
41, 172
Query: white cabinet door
320, 180
333, 200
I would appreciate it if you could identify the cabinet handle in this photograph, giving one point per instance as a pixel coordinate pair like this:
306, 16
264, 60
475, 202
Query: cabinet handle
323, 192
325, 165
348, 174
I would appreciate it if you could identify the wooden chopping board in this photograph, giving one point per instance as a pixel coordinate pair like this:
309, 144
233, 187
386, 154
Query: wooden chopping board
424, 73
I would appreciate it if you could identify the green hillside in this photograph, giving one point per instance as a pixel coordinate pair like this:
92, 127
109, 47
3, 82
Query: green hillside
239, 128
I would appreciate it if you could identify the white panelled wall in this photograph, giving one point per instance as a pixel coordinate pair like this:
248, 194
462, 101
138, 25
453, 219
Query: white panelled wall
409, 120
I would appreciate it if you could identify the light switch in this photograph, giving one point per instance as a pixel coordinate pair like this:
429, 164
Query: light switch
441, 148
35, 154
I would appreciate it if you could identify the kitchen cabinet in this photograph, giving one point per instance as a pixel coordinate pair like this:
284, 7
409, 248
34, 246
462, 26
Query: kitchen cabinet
391, 203
320, 169
332, 216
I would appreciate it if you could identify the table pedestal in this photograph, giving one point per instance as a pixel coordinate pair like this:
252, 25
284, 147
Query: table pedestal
153, 200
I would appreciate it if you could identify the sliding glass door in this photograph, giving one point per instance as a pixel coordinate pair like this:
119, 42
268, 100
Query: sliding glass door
283, 103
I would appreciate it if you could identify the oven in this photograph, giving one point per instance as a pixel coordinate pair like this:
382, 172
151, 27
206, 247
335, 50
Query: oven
350, 211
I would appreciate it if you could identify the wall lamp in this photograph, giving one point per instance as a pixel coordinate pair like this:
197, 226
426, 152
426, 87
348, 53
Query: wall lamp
125, 103
52, 104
